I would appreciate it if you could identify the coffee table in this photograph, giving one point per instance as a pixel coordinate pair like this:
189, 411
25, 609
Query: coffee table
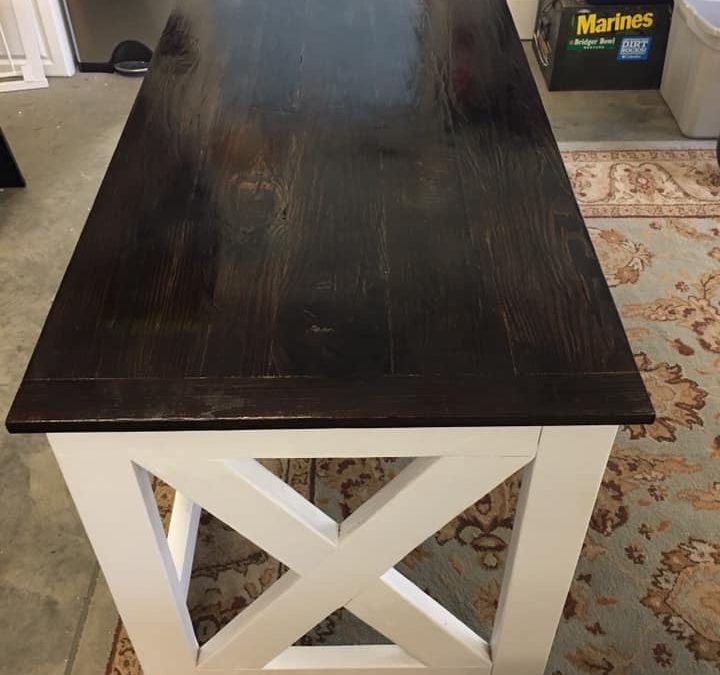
333, 229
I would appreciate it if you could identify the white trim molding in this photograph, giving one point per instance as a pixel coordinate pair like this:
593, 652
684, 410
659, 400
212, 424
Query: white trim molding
53, 39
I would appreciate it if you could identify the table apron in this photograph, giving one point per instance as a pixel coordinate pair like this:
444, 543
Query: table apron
289, 443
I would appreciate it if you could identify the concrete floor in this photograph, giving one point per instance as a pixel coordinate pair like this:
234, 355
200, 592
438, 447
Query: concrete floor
584, 117
57, 617
63, 138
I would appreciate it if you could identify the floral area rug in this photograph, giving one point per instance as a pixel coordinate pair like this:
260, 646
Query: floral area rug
646, 593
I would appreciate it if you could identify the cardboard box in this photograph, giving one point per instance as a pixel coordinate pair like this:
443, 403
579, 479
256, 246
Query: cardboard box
580, 45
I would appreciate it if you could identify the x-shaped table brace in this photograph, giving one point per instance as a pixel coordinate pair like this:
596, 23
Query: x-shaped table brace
347, 565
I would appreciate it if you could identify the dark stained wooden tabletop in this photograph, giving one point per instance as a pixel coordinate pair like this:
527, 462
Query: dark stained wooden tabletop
333, 213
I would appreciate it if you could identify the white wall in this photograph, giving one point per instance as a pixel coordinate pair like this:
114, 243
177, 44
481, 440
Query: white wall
524, 12
54, 41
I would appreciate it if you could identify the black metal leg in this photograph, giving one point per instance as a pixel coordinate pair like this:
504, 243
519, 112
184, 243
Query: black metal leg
10, 175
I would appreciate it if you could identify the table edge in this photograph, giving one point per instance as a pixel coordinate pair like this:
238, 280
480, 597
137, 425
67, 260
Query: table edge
93, 405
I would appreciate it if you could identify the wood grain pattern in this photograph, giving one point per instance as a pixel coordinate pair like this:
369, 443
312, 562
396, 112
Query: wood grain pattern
327, 213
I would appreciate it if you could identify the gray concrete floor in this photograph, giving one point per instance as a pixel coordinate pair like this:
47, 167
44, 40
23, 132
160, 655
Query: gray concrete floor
63, 138
582, 116
56, 616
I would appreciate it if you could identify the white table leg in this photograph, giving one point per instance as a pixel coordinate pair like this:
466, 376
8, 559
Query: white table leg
115, 501
557, 497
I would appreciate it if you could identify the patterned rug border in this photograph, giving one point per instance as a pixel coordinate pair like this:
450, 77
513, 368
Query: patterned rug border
680, 151
679, 144
675, 211
638, 154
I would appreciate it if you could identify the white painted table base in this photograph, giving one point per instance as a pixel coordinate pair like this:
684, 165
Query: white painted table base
334, 565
